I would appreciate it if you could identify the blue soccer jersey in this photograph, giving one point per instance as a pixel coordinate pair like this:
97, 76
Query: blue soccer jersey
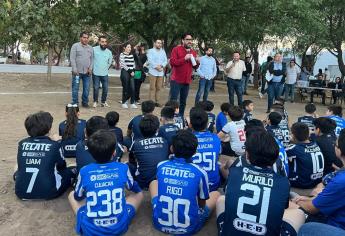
69, 144
176, 209
179, 121
39, 159
308, 120
283, 157
255, 201
211, 121
148, 152
247, 116
284, 126
106, 211
306, 165
134, 126
168, 131
340, 123
276, 132
221, 121
207, 156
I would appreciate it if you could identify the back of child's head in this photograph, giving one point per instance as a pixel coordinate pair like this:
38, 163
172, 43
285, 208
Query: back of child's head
275, 118
280, 101
148, 106
198, 119
326, 125
168, 113
278, 108
246, 103
201, 105
112, 118
173, 103
253, 129
341, 142
71, 121
262, 149
149, 125
254, 123
310, 108
300, 131
101, 145
94, 124
209, 106
184, 144
225, 107
38, 124
336, 110
235, 113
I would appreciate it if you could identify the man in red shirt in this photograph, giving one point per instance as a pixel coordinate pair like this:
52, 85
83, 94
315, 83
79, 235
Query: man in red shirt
182, 61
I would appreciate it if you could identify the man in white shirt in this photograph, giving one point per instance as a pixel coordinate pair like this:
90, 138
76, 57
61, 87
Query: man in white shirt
157, 61
292, 72
234, 70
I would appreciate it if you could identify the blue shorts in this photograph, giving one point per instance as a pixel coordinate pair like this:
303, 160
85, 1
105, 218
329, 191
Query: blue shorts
82, 220
203, 216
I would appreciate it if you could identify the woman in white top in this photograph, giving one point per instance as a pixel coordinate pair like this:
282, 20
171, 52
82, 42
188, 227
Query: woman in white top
292, 72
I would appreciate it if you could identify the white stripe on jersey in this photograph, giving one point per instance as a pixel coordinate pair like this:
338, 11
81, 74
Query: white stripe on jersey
57, 179
162, 162
202, 194
78, 189
130, 181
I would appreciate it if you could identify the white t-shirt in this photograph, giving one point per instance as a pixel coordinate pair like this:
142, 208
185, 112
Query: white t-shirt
235, 129
291, 74
236, 71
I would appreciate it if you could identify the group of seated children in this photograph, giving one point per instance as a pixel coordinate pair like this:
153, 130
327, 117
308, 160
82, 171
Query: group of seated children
178, 162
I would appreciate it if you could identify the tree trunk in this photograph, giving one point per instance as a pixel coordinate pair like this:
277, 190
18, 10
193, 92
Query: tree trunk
255, 55
340, 61
14, 59
58, 54
50, 62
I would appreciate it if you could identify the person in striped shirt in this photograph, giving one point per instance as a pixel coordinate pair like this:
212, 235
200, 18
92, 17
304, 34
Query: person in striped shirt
127, 65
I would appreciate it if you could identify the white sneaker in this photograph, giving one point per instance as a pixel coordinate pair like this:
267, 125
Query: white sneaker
105, 104
261, 95
94, 105
124, 105
133, 106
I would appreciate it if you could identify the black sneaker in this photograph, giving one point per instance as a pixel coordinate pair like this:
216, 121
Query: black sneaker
86, 105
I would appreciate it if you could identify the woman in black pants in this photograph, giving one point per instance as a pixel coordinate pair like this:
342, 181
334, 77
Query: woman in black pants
127, 65
140, 58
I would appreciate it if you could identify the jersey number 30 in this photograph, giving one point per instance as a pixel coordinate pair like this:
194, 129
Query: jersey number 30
172, 212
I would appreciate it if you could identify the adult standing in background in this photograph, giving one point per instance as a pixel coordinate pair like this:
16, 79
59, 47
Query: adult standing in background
140, 58
292, 72
263, 71
81, 58
157, 61
102, 59
182, 61
207, 71
234, 70
127, 65
277, 71
246, 74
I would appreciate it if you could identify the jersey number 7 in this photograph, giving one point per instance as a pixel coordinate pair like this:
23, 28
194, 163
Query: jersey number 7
34, 172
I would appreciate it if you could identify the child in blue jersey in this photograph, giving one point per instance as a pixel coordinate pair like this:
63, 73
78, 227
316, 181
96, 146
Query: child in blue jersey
42, 172
256, 197
248, 108
180, 122
147, 152
335, 112
272, 126
113, 118
305, 159
209, 147
99, 200
329, 204
308, 119
168, 128
83, 156
208, 107
180, 196
326, 138
71, 130
278, 106
221, 119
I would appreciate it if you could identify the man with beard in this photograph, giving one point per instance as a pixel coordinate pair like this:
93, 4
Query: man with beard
102, 58
207, 71
182, 61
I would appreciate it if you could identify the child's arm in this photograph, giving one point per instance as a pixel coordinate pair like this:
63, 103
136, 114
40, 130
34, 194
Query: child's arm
131, 184
307, 204
79, 192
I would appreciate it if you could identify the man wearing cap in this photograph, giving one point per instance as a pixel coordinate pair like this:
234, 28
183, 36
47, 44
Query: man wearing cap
292, 72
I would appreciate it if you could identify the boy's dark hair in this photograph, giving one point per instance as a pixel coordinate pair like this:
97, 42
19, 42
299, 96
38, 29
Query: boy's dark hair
209, 106
280, 101
253, 129
341, 142
278, 108
71, 121
310, 108
336, 110
168, 113
172, 103
235, 113
101, 145
95, 123
262, 149
225, 107
112, 118
201, 105
148, 106
184, 144
246, 103
149, 125
300, 131
198, 119
326, 125
254, 123
275, 118
38, 124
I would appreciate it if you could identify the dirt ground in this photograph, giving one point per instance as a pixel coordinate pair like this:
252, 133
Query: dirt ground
21, 95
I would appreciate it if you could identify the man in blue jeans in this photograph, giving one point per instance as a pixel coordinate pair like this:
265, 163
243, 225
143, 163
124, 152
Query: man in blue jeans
81, 59
246, 75
234, 70
207, 71
102, 58
275, 84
